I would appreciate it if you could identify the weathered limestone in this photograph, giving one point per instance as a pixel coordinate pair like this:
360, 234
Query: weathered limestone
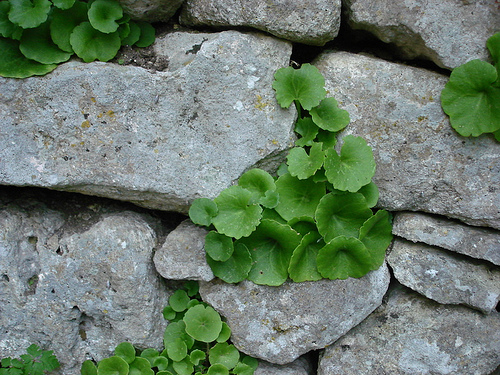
182, 256
298, 367
310, 22
422, 163
158, 139
480, 243
278, 324
77, 284
448, 32
444, 277
151, 10
410, 334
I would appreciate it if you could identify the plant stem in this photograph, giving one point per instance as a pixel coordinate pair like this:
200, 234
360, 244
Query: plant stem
299, 108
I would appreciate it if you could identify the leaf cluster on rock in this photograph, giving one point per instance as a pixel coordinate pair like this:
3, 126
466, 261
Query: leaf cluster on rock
315, 220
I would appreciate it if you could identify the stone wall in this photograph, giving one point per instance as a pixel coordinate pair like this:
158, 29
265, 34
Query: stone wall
80, 273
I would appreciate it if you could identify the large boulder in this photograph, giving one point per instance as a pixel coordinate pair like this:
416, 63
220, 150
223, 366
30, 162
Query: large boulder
312, 22
422, 163
447, 32
158, 139
77, 279
151, 10
410, 334
279, 324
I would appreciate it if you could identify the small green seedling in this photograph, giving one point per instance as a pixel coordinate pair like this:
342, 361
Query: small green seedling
34, 362
471, 98
36, 35
195, 342
315, 220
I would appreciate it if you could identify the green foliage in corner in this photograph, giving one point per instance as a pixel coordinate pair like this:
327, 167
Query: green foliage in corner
34, 362
36, 35
195, 342
471, 98
315, 220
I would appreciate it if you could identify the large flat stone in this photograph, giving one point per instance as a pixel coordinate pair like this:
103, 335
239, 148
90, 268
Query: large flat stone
410, 334
422, 163
158, 139
448, 32
279, 324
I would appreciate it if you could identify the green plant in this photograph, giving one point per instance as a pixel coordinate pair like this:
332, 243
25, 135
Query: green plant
315, 220
471, 98
34, 362
195, 342
36, 35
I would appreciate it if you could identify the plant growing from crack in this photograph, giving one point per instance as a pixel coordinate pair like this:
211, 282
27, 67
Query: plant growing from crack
315, 220
36, 35
34, 362
195, 342
471, 98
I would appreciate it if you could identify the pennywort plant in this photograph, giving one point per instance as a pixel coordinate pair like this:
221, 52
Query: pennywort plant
36, 35
471, 98
195, 342
316, 219
34, 362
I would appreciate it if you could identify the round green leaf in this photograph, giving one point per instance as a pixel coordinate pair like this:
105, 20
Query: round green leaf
250, 361
298, 197
13, 64
225, 333
164, 372
160, 362
471, 101
237, 216
104, 14
224, 354
258, 182
63, 4
353, 168
370, 192
306, 85
184, 367
218, 369
202, 211
177, 330
150, 354
343, 257
243, 369
179, 300
203, 323
147, 36
302, 165
112, 366
376, 235
133, 35
88, 368
271, 247
126, 351
307, 130
341, 215
169, 313
197, 356
493, 44
328, 116
303, 224
63, 23
140, 366
176, 349
90, 44
218, 246
8, 29
29, 13
236, 268
328, 139
303, 265
36, 44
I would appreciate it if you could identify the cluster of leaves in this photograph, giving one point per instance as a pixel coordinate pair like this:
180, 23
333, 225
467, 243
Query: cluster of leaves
36, 35
472, 96
34, 362
315, 220
195, 342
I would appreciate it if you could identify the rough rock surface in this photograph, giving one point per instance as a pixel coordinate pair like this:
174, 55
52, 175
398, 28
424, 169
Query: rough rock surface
298, 367
312, 22
480, 243
278, 324
448, 32
159, 140
77, 284
182, 256
422, 163
151, 10
410, 334
445, 277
